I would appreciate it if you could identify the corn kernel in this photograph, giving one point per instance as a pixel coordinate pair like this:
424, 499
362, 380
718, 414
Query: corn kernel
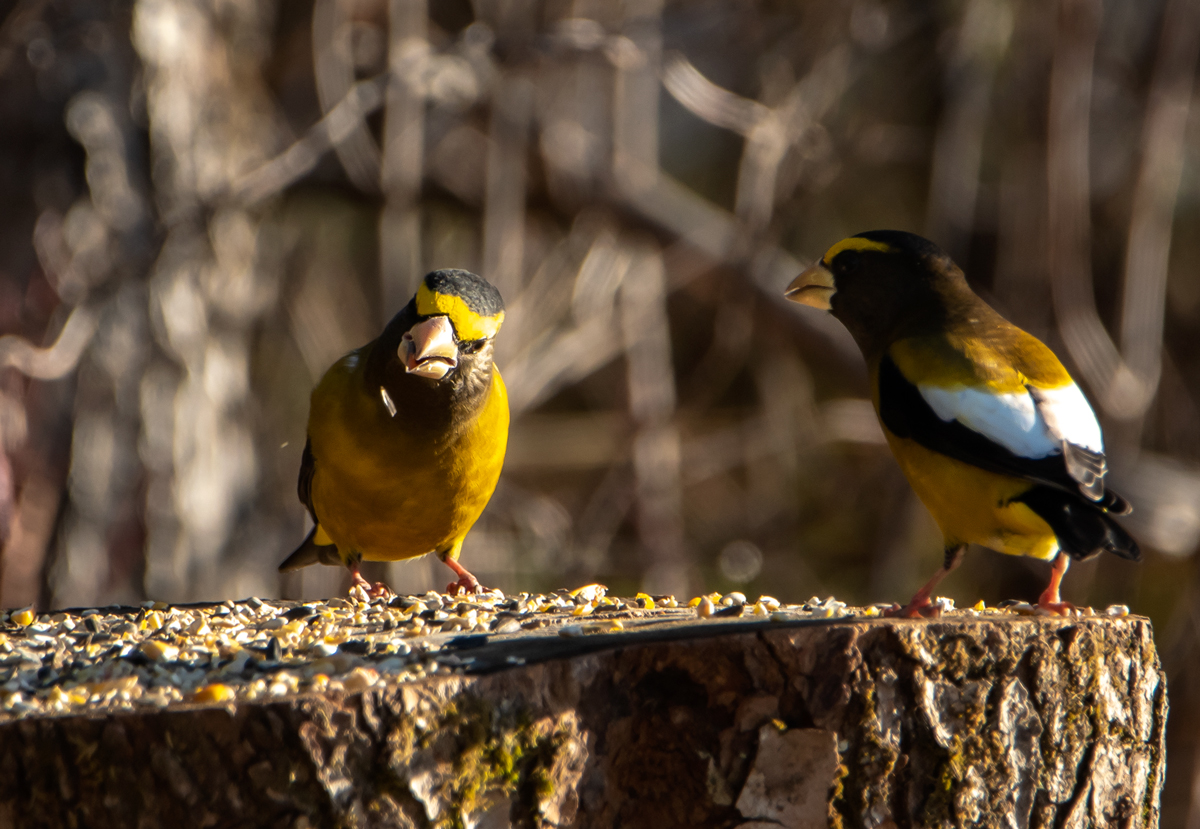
216, 692
159, 651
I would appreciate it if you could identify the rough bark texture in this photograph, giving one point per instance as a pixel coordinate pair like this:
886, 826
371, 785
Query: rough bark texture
993, 723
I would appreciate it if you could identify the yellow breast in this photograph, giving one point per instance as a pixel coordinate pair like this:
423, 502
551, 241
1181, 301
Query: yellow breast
386, 494
972, 505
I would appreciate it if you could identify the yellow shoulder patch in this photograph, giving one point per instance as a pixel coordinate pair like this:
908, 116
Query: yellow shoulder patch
1036, 362
955, 362
467, 324
1003, 359
854, 243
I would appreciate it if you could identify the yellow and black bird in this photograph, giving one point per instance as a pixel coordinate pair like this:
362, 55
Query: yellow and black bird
406, 435
989, 428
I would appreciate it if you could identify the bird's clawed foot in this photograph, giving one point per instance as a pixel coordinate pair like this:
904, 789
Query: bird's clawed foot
378, 590
915, 609
365, 589
466, 583
922, 604
1054, 604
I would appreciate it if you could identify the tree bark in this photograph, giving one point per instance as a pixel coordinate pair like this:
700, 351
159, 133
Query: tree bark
966, 721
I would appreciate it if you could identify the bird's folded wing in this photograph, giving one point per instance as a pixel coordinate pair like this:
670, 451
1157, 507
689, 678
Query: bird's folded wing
304, 482
1048, 436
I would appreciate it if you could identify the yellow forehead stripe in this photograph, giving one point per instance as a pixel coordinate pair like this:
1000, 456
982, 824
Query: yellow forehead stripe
467, 324
854, 243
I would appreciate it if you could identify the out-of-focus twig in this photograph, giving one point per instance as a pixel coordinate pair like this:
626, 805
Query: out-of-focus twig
301, 157
769, 140
715, 233
1149, 246
769, 132
403, 154
504, 206
25, 549
56, 360
657, 448
211, 119
1067, 153
572, 355
636, 57
980, 45
707, 101
334, 71
1123, 388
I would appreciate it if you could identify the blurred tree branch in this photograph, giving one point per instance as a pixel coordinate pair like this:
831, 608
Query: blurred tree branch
342, 123
56, 360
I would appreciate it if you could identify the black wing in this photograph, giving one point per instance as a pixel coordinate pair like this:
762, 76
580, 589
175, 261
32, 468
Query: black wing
304, 484
309, 552
907, 414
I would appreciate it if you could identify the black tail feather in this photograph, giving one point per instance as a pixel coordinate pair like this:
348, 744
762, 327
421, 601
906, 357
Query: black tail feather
1084, 529
310, 552
1114, 504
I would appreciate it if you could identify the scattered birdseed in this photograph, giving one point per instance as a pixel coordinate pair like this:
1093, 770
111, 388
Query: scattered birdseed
156, 655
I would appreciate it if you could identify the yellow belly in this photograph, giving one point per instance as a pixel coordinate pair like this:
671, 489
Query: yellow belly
385, 495
972, 505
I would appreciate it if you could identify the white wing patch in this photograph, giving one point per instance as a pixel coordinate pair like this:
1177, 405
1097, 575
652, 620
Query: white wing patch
1030, 424
1012, 420
1068, 416
1036, 423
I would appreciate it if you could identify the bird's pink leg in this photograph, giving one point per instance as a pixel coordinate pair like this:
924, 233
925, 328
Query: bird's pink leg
920, 604
466, 583
1050, 599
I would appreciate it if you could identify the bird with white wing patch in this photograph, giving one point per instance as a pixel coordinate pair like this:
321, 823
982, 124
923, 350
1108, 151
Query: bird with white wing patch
988, 426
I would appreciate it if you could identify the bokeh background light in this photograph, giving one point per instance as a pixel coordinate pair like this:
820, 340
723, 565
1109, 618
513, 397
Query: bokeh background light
206, 202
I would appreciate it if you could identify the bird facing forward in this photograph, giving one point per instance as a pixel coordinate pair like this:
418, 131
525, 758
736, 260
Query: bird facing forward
406, 435
990, 430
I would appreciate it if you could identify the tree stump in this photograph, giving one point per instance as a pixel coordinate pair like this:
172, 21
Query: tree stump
629, 717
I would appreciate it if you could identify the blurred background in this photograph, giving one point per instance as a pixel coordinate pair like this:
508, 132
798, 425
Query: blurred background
206, 202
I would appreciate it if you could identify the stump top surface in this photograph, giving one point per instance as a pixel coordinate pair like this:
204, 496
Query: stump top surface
99, 661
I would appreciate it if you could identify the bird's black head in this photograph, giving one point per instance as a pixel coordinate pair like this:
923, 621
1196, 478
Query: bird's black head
884, 284
436, 354
440, 289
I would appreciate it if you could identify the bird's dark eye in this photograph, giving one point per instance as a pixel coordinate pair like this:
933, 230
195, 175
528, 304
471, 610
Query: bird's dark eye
847, 261
470, 346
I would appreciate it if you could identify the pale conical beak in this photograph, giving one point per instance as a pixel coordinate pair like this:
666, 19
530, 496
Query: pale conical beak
428, 348
814, 287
